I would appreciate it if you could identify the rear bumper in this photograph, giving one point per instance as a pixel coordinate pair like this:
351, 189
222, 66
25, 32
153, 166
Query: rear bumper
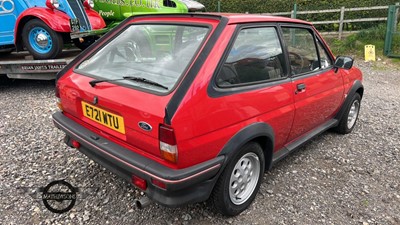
183, 186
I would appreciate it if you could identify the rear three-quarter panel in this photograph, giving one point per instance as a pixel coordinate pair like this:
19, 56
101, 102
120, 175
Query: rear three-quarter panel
212, 112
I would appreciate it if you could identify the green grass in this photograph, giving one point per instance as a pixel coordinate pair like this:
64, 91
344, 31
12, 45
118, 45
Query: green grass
353, 45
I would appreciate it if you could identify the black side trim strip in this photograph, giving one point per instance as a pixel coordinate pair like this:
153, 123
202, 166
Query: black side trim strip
192, 73
282, 153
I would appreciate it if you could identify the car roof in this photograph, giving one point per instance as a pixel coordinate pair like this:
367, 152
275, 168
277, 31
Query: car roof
253, 18
232, 18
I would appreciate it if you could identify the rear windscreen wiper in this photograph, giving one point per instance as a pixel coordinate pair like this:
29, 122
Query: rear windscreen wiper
137, 79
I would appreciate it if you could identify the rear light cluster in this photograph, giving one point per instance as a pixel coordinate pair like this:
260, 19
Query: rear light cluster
168, 148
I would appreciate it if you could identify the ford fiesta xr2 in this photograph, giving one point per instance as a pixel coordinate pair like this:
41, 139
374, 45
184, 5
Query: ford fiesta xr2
198, 106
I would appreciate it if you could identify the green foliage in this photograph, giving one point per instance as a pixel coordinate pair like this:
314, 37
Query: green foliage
354, 44
374, 32
270, 6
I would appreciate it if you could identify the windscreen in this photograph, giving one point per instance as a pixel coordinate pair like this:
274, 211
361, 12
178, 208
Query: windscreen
146, 56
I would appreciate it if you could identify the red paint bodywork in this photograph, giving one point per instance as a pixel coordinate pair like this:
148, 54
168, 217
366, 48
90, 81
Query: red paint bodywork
55, 19
203, 124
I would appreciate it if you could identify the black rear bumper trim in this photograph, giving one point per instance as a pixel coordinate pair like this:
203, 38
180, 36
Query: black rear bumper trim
134, 163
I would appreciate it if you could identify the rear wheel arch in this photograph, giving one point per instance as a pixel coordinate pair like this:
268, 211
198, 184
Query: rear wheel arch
260, 133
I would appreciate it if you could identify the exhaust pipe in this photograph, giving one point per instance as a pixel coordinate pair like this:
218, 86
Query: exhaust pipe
142, 202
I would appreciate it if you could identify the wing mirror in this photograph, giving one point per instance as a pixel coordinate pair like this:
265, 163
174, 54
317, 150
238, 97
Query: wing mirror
344, 62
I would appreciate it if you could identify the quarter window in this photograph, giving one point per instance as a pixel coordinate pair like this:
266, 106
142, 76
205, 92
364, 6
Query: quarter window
256, 56
326, 61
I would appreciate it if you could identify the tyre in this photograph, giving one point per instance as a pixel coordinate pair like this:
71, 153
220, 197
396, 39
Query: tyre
240, 181
87, 41
349, 119
41, 41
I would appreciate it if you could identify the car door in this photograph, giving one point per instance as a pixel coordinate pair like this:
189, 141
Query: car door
318, 89
253, 80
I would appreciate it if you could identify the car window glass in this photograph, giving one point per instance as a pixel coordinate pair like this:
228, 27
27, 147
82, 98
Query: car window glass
256, 56
158, 53
303, 57
326, 61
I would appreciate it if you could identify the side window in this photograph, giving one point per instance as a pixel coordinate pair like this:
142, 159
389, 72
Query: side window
302, 51
256, 56
326, 61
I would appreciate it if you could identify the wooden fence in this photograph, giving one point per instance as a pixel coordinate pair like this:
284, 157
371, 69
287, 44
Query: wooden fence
341, 21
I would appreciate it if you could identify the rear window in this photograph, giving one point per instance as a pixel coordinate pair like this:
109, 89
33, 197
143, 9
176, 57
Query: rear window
150, 56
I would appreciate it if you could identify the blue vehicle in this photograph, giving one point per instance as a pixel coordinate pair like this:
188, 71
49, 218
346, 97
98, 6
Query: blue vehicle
43, 26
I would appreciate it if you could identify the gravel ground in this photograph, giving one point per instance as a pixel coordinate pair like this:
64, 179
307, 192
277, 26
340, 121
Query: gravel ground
335, 179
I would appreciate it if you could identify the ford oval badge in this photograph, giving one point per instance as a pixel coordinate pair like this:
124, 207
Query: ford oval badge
145, 126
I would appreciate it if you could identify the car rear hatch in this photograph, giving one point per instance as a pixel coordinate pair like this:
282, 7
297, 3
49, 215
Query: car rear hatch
121, 89
127, 116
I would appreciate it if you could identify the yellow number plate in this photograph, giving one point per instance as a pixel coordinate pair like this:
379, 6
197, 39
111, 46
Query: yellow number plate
103, 117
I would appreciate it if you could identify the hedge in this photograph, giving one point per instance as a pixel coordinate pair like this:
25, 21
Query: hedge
270, 6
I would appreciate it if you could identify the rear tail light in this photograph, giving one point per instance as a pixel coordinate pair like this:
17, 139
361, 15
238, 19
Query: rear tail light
139, 182
168, 148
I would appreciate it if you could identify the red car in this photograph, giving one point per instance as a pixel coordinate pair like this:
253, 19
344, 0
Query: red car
197, 106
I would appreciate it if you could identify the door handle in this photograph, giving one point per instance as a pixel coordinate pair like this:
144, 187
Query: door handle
300, 87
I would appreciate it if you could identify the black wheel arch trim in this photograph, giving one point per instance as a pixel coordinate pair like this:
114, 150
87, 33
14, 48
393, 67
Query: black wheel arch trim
261, 132
357, 85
